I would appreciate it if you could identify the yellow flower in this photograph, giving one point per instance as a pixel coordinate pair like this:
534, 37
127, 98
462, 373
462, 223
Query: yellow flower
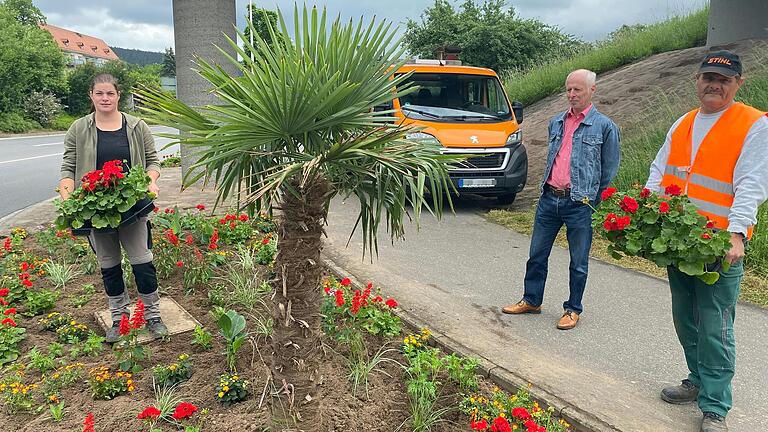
502, 415
221, 394
225, 388
234, 377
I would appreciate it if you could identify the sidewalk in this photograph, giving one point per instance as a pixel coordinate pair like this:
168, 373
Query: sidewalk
453, 276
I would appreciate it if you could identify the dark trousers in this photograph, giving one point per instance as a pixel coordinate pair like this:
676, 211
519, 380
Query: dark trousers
703, 316
551, 214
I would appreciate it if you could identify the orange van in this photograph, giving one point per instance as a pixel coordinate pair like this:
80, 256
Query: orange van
466, 110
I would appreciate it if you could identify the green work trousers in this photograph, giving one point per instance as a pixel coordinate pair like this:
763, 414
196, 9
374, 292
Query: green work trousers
703, 316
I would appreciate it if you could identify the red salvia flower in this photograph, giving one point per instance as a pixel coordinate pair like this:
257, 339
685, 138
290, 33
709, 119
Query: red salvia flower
23, 276
232, 225
88, 423
125, 326
243, 217
3, 302
663, 207
346, 282
27, 283
4, 292
339, 298
184, 410
137, 319
7, 244
673, 190
9, 311
391, 303
149, 412
179, 263
607, 193
189, 239
24, 266
355, 303
706, 236
265, 241
200, 207
710, 224
378, 299
198, 254
8, 321
173, 238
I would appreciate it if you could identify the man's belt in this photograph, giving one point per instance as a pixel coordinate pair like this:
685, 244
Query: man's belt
558, 192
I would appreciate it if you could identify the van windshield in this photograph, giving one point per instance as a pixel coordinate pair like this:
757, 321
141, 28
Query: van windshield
456, 97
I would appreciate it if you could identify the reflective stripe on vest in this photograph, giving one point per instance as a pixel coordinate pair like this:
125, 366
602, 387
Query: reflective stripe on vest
708, 179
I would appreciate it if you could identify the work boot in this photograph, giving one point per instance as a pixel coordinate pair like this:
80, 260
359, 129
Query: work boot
155, 324
118, 306
157, 328
113, 333
684, 393
713, 423
521, 307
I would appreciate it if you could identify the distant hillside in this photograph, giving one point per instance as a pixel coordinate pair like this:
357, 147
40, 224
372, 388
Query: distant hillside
138, 57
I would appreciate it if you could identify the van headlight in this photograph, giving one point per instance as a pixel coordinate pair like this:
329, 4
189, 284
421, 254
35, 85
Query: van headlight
422, 137
515, 138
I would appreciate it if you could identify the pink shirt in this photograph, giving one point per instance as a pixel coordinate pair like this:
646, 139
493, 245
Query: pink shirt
560, 177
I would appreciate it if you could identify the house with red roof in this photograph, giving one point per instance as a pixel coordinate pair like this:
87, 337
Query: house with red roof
80, 48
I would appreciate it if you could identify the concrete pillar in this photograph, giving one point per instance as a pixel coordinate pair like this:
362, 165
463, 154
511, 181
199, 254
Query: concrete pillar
733, 20
198, 25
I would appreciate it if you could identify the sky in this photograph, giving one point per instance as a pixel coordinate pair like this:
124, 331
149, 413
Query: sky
148, 24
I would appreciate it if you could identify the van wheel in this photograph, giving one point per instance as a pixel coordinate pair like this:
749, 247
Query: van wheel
506, 199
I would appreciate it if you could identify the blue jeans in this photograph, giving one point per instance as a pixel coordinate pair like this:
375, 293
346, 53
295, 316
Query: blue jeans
551, 213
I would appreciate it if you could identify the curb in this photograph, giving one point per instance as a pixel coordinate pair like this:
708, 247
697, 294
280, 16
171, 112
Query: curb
7, 218
580, 419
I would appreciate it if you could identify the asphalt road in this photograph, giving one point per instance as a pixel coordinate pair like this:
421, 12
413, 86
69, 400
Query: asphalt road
457, 273
29, 168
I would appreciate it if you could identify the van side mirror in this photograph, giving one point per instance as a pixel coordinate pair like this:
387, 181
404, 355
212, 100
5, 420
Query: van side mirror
383, 107
517, 108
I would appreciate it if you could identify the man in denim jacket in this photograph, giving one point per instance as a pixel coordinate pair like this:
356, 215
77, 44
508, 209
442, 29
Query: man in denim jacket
583, 158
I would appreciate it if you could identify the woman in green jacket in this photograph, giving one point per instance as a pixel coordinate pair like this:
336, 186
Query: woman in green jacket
104, 135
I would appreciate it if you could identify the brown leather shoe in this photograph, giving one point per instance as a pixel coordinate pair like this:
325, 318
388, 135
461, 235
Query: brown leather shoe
521, 307
568, 321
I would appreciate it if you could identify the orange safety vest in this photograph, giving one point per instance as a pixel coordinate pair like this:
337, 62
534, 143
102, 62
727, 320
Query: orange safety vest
709, 180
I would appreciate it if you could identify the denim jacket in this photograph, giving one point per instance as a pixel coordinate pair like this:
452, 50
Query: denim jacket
595, 153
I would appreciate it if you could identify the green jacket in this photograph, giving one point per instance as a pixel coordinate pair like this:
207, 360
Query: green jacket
80, 147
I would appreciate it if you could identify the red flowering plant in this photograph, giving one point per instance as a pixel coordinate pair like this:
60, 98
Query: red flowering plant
348, 311
103, 196
128, 350
503, 412
665, 229
11, 334
150, 416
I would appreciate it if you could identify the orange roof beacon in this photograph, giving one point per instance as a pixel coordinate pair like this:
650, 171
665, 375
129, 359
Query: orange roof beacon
466, 111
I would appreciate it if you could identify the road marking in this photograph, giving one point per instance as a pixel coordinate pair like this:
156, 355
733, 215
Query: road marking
48, 144
19, 137
30, 158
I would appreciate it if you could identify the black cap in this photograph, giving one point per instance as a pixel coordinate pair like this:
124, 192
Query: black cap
722, 62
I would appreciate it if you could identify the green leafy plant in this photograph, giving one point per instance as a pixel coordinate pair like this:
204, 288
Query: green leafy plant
173, 373
65, 376
60, 274
72, 332
666, 230
38, 302
202, 338
462, 371
266, 249
92, 346
89, 264
54, 320
56, 411
361, 364
10, 337
106, 385
231, 389
41, 362
232, 328
103, 196
85, 296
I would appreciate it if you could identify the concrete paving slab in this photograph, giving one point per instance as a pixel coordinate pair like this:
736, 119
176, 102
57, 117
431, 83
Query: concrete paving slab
175, 317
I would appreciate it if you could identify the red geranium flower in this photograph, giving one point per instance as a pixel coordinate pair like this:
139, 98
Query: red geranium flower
156, 209
521, 413
4, 292
200, 207
184, 410
189, 239
607, 193
339, 298
88, 423
645, 193
345, 282
391, 303
377, 299
243, 217
706, 236
7, 244
125, 326
149, 412
500, 424
673, 190
710, 224
179, 263
663, 207
137, 320
327, 289
479, 425
265, 241
173, 238
3, 302
9, 311
24, 266
8, 321
27, 283
628, 204
23, 276
613, 222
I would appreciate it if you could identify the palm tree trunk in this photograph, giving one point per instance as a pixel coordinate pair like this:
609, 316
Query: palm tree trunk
297, 308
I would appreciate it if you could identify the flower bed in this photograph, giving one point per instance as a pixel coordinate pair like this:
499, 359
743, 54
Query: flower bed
375, 376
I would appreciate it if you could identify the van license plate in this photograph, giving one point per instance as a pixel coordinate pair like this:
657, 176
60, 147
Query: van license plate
477, 183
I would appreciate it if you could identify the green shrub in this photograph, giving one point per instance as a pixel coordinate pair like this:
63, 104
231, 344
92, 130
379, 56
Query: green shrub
62, 121
42, 107
14, 122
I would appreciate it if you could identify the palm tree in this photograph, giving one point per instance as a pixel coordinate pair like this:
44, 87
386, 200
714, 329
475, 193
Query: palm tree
295, 130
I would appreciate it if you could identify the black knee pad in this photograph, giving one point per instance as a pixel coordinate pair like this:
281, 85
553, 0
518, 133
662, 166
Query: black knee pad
146, 277
113, 280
